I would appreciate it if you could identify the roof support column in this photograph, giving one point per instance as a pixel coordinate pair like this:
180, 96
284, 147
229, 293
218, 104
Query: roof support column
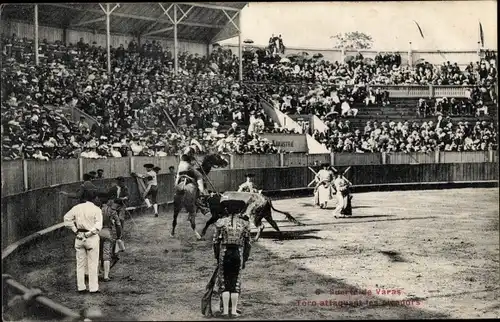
176, 45
108, 12
37, 58
240, 44
108, 38
240, 50
410, 56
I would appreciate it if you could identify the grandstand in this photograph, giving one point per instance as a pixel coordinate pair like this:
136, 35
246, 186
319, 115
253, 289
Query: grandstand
79, 43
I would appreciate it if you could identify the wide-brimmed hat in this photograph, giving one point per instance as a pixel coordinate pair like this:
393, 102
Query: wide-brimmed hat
149, 166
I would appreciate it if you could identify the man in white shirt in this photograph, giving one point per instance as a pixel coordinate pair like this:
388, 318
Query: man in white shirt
256, 125
115, 153
136, 148
347, 110
237, 115
85, 220
286, 103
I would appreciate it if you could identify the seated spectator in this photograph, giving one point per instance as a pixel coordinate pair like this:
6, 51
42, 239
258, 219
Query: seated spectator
481, 108
347, 110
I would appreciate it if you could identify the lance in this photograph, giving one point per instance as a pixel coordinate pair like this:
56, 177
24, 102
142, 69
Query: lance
314, 180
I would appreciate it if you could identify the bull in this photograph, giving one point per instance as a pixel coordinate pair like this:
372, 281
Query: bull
253, 205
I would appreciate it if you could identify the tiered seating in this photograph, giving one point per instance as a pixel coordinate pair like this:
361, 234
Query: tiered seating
405, 109
128, 104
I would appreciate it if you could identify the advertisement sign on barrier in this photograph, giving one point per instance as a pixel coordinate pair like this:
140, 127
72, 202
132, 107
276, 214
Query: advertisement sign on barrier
288, 142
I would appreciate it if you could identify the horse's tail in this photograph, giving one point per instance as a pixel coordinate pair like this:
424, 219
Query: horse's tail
289, 217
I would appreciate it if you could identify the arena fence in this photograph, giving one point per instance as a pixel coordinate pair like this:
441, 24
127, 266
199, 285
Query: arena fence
26, 213
25, 175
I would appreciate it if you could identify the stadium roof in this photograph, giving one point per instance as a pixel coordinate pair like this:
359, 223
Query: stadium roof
202, 22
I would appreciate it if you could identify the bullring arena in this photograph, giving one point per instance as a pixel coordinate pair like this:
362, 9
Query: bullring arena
423, 238
420, 248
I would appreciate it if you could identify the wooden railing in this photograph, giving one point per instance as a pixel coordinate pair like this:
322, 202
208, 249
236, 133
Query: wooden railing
24, 175
395, 91
25, 301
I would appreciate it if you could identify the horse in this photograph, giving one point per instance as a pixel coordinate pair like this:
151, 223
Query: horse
186, 192
238, 202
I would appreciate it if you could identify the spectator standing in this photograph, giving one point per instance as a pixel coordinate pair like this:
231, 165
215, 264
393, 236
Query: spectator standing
85, 220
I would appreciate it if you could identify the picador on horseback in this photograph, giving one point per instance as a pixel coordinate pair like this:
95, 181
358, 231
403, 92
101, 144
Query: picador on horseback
189, 188
186, 172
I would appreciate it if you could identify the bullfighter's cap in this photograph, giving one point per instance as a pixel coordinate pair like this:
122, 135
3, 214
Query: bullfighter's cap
157, 169
249, 175
149, 166
100, 170
120, 179
325, 164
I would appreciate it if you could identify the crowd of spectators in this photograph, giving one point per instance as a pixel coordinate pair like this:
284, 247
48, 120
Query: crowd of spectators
439, 135
320, 100
128, 104
472, 105
201, 100
357, 70
339, 89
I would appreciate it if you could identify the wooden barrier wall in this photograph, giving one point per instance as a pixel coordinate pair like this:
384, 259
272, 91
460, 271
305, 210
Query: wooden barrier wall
28, 212
24, 175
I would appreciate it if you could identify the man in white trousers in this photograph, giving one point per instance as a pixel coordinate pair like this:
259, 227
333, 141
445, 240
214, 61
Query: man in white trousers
85, 220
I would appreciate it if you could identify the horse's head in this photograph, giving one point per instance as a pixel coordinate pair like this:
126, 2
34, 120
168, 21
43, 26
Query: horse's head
214, 160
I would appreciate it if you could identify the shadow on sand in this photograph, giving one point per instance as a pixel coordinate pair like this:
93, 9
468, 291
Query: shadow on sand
290, 235
343, 221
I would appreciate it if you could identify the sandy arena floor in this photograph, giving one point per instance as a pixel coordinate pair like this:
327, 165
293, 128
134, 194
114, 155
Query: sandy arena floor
435, 254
